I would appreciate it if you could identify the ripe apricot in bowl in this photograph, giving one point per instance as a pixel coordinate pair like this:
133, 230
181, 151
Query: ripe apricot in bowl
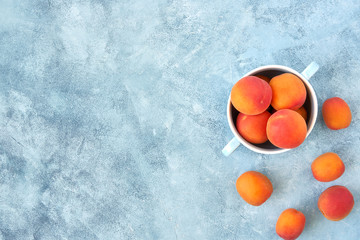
336, 202
286, 129
336, 113
265, 78
251, 95
254, 187
327, 167
290, 224
302, 111
253, 127
289, 92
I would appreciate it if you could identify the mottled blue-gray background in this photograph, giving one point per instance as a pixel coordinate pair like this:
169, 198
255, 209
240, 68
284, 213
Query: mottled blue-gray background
113, 116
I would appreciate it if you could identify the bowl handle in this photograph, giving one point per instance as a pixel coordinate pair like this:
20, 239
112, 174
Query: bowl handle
231, 146
310, 70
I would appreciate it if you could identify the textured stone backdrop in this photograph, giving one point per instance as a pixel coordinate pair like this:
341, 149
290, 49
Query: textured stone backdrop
113, 116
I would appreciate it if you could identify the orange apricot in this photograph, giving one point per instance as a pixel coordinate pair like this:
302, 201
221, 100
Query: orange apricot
251, 95
302, 111
336, 113
254, 187
289, 92
253, 127
336, 202
267, 79
290, 224
327, 167
286, 129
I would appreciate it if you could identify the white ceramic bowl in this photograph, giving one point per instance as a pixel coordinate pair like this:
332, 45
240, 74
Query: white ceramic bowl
311, 106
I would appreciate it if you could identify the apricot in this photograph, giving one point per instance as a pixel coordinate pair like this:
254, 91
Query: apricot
286, 129
327, 167
266, 79
253, 127
251, 95
336, 113
302, 111
289, 92
290, 224
254, 187
336, 202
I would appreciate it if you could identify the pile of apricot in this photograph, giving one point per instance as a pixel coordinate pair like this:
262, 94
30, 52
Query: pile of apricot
272, 109
335, 203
